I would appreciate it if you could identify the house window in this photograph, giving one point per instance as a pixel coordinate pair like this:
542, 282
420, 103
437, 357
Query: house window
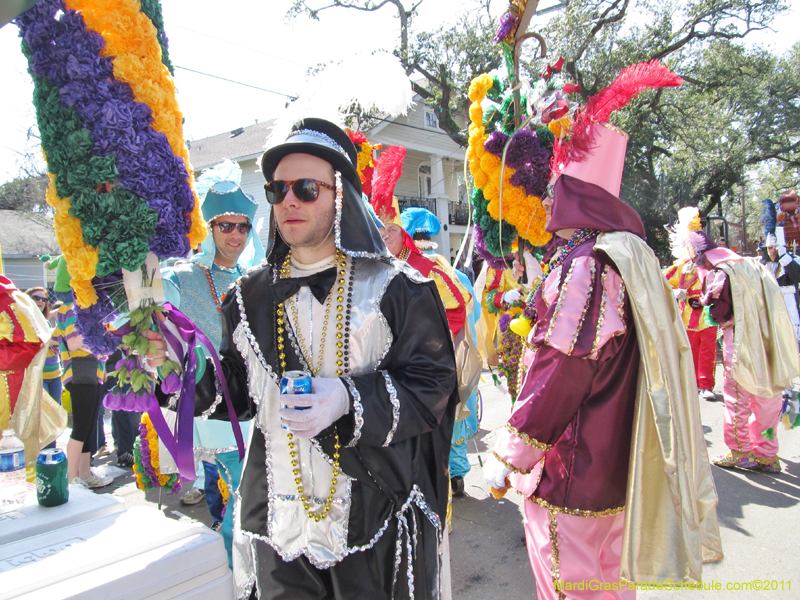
424, 173
431, 120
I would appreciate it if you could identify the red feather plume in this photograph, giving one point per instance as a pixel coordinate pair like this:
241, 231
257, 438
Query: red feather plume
387, 171
630, 82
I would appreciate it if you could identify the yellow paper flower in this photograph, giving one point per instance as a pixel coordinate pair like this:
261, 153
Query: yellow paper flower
559, 127
132, 42
81, 258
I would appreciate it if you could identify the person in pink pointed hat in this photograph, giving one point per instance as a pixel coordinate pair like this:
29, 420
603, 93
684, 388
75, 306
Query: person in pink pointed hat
608, 407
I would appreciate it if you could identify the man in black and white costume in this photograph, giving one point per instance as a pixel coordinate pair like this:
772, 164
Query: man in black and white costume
346, 498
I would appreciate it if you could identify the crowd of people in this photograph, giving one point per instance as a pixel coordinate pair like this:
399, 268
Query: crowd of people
346, 492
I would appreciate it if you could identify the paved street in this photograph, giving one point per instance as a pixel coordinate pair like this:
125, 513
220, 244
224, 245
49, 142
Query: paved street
758, 516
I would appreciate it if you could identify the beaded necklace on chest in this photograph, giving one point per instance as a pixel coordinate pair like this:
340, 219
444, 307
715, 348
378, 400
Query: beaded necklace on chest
530, 311
342, 368
213, 284
577, 238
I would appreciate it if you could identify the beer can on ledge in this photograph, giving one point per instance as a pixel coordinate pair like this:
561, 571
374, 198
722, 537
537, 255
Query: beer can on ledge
51, 477
296, 382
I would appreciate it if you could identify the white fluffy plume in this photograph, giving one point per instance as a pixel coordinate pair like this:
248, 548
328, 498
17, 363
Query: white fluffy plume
376, 81
685, 234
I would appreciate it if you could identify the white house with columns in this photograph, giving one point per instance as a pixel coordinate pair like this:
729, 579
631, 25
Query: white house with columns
433, 172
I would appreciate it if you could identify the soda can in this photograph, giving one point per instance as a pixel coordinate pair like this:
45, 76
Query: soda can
296, 382
51, 477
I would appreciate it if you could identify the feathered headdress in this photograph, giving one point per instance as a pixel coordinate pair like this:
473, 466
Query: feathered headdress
366, 164
387, 171
687, 232
630, 82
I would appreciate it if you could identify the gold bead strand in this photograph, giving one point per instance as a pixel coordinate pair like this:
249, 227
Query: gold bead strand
293, 452
341, 330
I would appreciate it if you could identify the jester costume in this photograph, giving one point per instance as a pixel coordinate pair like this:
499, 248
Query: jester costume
35, 418
383, 465
457, 295
605, 440
497, 283
687, 284
759, 354
198, 288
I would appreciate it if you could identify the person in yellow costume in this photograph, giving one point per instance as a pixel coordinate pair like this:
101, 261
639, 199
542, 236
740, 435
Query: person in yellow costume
397, 238
35, 418
498, 289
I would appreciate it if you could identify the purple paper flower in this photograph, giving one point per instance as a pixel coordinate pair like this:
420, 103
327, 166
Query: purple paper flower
531, 161
171, 384
112, 401
496, 142
503, 322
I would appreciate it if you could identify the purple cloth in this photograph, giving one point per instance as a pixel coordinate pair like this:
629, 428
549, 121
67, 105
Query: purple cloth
580, 204
583, 407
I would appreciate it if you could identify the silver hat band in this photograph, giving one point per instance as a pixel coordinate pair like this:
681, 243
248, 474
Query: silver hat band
314, 137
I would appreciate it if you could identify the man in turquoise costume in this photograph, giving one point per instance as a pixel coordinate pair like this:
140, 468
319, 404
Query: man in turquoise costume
197, 288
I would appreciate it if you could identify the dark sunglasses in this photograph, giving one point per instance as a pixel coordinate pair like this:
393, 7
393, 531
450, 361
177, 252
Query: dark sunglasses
39, 298
305, 190
226, 227
551, 190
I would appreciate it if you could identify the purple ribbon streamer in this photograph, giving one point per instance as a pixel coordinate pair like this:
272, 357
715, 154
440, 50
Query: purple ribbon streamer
180, 444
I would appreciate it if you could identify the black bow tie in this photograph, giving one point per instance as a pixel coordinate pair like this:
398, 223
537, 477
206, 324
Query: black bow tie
320, 285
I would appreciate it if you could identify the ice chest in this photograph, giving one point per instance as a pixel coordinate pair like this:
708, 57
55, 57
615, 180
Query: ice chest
18, 522
138, 553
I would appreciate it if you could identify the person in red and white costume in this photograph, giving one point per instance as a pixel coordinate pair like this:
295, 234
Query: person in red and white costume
687, 284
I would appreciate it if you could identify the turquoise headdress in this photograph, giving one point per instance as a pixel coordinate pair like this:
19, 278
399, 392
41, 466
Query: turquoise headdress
220, 193
420, 220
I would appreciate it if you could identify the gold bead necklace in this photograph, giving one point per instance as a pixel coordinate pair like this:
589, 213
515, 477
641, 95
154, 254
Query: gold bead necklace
341, 262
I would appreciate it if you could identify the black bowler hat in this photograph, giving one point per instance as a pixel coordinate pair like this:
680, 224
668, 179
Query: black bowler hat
319, 138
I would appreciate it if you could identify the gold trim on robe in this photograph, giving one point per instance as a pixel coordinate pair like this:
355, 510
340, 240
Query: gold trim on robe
671, 523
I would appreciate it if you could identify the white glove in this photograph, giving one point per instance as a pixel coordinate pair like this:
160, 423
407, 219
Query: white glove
532, 266
785, 259
512, 296
495, 472
328, 402
679, 294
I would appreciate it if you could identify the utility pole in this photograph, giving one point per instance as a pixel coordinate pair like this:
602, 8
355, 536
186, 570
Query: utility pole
744, 221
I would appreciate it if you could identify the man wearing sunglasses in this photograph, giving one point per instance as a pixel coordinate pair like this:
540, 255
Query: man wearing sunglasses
198, 287
344, 490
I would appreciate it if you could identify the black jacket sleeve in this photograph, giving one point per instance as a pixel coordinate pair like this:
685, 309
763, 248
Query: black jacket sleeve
418, 372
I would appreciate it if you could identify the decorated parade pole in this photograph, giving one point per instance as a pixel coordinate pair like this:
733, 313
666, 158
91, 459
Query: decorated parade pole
122, 189
514, 127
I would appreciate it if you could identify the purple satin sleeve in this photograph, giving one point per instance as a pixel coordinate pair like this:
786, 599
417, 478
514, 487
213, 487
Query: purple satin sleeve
553, 390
